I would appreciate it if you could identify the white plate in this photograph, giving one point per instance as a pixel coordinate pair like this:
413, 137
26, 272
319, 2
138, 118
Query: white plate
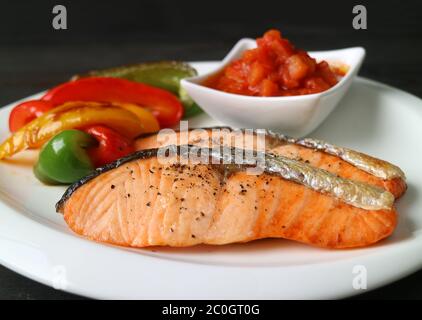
373, 118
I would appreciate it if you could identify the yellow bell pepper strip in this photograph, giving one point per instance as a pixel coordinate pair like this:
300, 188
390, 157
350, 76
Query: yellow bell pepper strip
148, 120
75, 115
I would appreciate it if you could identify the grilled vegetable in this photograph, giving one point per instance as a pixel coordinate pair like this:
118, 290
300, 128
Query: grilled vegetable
27, 111
64, 159
164, 74
165, 106
77, 115
111, 145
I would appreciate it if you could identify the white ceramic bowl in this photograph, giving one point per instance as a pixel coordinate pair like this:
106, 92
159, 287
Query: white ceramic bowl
294, 115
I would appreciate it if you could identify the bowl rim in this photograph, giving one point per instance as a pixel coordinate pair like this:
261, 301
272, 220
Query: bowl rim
237, 48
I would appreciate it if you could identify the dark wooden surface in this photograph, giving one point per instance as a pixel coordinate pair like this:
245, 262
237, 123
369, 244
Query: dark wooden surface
34, 57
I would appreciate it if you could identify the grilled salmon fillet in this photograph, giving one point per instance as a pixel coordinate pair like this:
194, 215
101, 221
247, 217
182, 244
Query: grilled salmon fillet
301, 149
140, 201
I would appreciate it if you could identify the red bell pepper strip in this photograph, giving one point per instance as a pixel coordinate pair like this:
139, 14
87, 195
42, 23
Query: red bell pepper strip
111, 145
27, 111
165, 106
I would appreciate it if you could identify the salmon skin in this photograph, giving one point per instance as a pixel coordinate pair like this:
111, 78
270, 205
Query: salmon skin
141, 201
344, 162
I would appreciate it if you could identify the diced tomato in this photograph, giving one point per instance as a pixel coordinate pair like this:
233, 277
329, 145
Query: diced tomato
274, 68
297, 68
315, 84
268, 88
257, 74
325, 72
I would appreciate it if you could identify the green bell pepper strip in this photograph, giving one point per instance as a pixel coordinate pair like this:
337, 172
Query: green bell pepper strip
164, 74
64, 159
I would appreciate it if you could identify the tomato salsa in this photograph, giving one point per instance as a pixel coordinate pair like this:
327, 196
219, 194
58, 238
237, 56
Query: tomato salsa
275, 68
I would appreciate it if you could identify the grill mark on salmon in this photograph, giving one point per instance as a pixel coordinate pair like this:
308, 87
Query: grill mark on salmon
317, 153
183, 205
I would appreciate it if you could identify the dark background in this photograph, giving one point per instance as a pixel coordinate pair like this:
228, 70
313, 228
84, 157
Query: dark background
34, 56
